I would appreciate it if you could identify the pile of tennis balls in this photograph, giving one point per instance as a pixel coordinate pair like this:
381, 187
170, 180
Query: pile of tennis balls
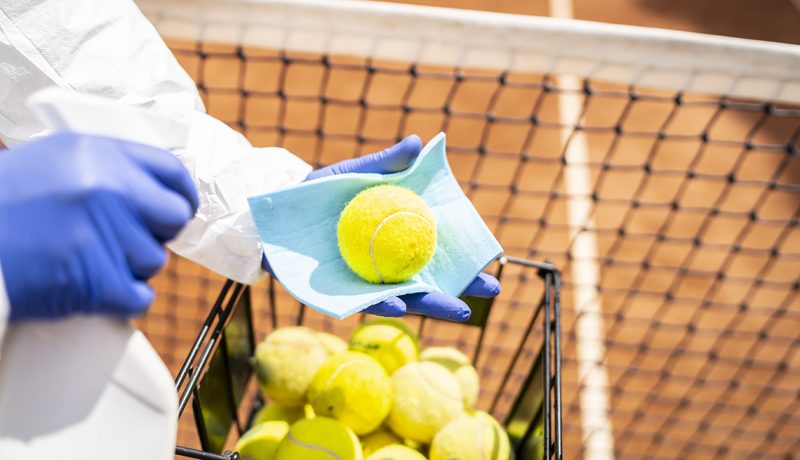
376, 398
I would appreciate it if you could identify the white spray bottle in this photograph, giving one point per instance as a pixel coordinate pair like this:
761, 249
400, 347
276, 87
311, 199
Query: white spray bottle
88, 387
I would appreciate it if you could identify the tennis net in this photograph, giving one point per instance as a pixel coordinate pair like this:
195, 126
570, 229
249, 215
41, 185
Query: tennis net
658, 170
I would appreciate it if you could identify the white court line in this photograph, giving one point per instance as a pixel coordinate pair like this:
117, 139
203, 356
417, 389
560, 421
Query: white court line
597, 432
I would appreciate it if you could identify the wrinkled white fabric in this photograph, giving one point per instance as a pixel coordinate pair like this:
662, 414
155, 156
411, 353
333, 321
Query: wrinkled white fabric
103, 47
227, 170
108, 48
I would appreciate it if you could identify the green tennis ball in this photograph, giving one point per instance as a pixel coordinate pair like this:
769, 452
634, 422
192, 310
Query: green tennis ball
274, 411
474, 437
353, 388
426, 397
333, 343
396, 452
261, 441
392, 342
387, 234
378, 439
460, 366
320, 438
286, 361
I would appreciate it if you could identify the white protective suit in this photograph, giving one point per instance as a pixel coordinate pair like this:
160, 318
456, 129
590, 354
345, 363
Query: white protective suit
108, 48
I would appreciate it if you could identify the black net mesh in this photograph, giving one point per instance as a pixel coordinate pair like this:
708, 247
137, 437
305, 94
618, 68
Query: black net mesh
694, 204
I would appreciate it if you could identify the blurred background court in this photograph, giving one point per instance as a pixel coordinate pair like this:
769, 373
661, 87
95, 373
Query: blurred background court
695, 204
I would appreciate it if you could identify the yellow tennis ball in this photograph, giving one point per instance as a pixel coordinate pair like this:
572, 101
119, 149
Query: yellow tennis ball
392, 342
418, 446
333, 343
473, 437
274, 411
320, 438
353, 388
538, 441
261, 441
396, 452
387, 234
378, 439
460, 366
286, 361
426, 397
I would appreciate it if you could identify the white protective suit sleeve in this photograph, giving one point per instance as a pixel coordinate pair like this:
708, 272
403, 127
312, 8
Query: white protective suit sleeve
108, 48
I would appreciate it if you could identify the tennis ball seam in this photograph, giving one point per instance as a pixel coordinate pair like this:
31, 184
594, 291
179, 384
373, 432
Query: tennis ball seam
292, 439
400, 325
380, 348
496, 439
339, 369
446, 362
438, 390
378, 229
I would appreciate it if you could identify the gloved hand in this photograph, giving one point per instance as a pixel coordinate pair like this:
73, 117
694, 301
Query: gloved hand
433, 304
82, 223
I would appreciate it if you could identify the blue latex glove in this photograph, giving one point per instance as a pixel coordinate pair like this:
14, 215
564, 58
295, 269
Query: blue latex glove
82, 223
434, 304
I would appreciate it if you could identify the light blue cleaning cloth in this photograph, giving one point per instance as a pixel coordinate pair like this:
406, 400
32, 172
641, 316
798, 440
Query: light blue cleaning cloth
297, 226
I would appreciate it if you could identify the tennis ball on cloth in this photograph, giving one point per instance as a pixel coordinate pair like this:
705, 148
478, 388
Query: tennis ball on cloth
378, 439
426, 397
396, 452
286, 361
333, 343
473, 437
391, 342
320, 438
457, 363
387, 234
353, 388
274, 411
261, 441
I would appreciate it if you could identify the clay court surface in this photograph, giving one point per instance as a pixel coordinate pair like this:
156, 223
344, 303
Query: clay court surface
699, 273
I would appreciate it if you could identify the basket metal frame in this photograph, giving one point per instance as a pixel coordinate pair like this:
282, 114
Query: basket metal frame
216, 357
